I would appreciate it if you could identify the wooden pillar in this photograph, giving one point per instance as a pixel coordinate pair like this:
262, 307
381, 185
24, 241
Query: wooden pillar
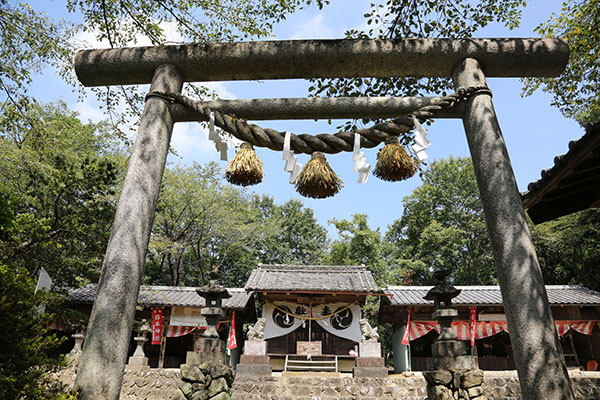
542, 374
100, 373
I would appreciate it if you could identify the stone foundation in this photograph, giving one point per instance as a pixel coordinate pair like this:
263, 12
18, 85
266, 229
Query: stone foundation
205, 381
454, 385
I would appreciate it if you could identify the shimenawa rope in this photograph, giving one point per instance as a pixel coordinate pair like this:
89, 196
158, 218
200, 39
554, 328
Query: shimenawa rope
324, 142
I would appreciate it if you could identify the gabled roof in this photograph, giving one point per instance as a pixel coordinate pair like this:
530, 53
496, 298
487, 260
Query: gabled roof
571, 185
490, 295
165, 296
312, 278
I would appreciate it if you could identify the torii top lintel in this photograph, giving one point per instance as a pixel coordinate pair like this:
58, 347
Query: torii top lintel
341, 58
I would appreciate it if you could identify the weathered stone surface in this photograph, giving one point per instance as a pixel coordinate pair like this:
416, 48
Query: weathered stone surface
449, 362
253, 370
439, 377
186, 388
370, 362
475, 391
221, 396
469, 379
192, 373
535, 345
255, 347
199, 395
449, 348
370, 372
254, 359
369, 349
219, 370
439, 392
217, 386
178, 396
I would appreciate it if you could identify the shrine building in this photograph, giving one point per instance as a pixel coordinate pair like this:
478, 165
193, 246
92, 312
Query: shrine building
576, 311
311, 317
181, 319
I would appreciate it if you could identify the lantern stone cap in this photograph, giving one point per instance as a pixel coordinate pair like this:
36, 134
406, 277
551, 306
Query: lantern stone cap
442, 293
213, 291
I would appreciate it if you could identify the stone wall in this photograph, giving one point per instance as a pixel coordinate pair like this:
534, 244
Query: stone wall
296, 387
501, 385
152, 384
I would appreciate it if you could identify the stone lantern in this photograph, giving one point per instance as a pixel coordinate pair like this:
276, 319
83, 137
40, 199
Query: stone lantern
79, 337
450, 372
213, 293
139, 361
209, 346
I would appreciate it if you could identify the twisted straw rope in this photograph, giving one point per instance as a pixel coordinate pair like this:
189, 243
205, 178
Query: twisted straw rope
324, 142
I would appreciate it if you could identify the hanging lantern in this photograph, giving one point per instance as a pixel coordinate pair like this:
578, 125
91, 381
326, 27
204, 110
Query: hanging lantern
393, 162
246, 168
317, 180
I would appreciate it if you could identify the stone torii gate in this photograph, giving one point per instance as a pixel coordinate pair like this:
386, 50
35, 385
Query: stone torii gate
542, 374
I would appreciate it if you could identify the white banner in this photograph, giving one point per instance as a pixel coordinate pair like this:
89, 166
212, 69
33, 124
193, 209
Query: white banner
186, 316
344, 324
278, 323
344, 321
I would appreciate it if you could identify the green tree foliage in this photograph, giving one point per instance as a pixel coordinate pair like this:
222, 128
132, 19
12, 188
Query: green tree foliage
575, 92
202, 224
442, 228
59, 176
359, 244
25, 342
568, 249
29, 42
299, 239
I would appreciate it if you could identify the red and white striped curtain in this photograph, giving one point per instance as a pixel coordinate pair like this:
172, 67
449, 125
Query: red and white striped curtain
485, 329
584, 327
177, 331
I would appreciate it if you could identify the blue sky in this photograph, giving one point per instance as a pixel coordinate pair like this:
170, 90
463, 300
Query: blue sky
534, 131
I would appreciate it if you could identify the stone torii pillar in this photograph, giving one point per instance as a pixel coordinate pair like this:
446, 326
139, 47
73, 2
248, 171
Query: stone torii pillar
100, 371
541, 373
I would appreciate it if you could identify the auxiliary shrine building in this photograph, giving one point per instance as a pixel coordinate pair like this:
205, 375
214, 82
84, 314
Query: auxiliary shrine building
310, 319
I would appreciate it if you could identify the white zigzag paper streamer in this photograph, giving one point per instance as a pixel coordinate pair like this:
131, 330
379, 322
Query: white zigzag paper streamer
360, 162
421, 141
213, 135
291, 164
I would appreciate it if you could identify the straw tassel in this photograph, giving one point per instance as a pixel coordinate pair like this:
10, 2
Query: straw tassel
246, 168
317, 180
393, 162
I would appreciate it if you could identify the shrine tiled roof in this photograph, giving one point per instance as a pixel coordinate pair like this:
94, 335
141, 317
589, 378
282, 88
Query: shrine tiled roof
312, 278
177, 296
490, 295
572, 184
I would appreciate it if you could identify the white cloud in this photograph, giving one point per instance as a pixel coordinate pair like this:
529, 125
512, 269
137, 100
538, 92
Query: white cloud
190, 142
87, 39
89, 111
314, 27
